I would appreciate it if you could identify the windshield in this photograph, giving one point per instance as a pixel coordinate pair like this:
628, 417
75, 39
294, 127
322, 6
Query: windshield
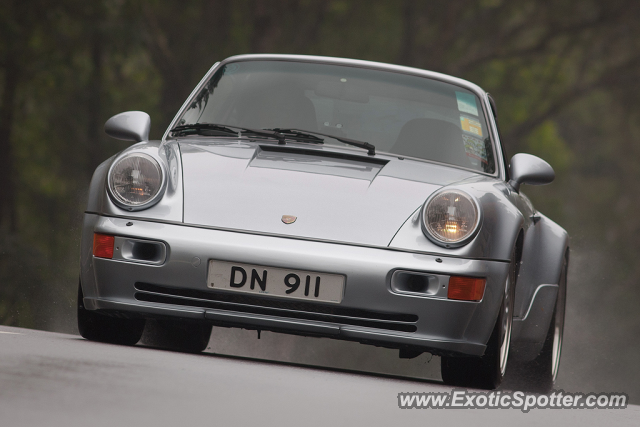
398, 113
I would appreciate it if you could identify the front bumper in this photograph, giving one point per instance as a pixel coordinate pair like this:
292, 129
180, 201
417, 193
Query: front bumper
370, 312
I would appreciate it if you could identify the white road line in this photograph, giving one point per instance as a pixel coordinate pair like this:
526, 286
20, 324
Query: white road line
10, 333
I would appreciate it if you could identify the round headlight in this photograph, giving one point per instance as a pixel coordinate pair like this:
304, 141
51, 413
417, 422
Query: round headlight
450, 218
135, 181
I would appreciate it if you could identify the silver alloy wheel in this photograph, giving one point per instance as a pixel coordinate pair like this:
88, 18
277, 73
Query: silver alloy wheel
507, 322
559, 326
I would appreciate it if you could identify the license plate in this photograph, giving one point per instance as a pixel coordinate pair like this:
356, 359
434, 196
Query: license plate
281, 282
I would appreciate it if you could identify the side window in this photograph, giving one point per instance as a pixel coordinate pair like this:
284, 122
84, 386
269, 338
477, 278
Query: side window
505, 159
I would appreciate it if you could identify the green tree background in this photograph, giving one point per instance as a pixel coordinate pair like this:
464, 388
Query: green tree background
565, 74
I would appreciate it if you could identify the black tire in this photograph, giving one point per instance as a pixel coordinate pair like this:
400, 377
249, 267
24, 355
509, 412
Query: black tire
486, 372
539, 374
94, 326
178, 335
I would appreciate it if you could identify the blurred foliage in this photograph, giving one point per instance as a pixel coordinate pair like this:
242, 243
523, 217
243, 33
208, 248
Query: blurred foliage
565, 74
546, 142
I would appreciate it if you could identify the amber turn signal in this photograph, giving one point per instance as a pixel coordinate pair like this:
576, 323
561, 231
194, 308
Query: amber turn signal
103, 245
466, 288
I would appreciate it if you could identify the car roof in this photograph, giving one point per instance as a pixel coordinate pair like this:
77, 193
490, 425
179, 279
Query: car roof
362, 64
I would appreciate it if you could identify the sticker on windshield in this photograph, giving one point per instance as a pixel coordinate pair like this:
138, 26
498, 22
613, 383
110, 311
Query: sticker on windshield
471, 125
467, 103
475, 148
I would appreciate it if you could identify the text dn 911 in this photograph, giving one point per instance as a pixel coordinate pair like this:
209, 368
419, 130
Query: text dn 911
332, 198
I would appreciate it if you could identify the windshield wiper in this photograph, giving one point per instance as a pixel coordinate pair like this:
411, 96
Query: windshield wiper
298, 135
197, 128
371, 149
277, 133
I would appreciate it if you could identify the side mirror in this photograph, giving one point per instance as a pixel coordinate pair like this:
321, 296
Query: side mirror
129, 126
528, 169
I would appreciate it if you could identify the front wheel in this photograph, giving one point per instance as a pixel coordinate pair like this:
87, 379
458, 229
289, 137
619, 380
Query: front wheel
178, 335
539, 374
94, 326
487, 371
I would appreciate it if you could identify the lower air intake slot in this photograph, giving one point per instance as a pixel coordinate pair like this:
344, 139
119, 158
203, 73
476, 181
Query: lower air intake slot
143, 251
290, 309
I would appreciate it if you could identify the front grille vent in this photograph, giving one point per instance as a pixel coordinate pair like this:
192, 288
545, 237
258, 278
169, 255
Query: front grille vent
266, 306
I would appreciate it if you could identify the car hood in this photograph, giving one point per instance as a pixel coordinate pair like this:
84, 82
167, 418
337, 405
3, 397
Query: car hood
335, 194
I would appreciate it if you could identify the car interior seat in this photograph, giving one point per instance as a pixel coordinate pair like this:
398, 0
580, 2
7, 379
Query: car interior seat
432, 139
282, 107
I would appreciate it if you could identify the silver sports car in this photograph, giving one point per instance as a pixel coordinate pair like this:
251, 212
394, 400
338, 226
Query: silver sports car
334, 198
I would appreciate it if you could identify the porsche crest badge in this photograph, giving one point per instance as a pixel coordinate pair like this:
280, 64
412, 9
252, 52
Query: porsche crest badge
289, 219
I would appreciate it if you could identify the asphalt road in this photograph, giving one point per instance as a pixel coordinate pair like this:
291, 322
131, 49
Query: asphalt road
51, 379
